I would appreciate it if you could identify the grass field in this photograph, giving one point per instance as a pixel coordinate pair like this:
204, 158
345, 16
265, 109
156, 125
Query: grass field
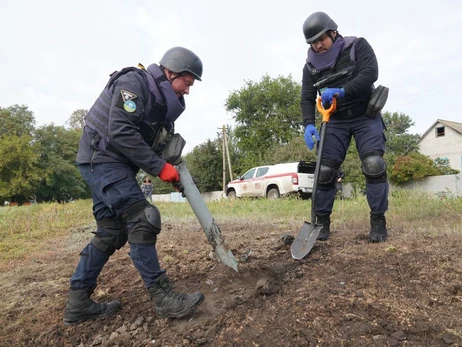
346, 292
23, 230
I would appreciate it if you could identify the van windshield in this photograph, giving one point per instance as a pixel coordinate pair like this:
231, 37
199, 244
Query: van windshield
248, 174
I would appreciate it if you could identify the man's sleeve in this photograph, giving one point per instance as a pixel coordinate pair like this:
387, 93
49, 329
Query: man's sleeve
367, 68
308, 101
127, 111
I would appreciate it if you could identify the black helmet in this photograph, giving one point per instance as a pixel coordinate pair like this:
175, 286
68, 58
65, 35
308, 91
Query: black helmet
316, 25
179, 59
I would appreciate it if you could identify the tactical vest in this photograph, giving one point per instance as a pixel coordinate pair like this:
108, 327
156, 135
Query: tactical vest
337, 74
162, 108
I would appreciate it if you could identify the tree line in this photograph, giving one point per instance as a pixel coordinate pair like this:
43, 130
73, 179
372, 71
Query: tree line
38, 163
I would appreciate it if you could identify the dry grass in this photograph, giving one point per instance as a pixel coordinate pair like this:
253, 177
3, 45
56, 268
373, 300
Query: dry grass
369, 290
25, 230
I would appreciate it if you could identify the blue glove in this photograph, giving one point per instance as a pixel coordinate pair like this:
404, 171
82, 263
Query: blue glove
329, 93
311, 131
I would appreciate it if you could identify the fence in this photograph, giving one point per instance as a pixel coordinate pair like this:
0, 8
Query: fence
440, 186
177, 197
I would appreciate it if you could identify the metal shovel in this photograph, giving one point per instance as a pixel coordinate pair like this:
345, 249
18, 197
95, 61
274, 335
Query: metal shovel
310, 231
210, 227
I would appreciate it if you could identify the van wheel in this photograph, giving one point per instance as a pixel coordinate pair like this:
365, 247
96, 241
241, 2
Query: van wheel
273, 194
232, 195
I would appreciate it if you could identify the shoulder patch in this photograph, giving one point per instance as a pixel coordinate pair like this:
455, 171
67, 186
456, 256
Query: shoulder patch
129, 106
126, 95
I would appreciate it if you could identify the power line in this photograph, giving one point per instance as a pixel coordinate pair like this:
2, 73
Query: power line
450, 85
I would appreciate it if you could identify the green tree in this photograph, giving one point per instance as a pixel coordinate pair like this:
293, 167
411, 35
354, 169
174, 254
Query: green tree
18, 174
267, 115
399, 141
205, 164
60, 179
76, 120
295, 150
17, 153
16, 120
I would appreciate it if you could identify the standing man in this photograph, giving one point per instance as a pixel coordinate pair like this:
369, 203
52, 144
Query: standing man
344, 67
339, 184
118, 137
147, 188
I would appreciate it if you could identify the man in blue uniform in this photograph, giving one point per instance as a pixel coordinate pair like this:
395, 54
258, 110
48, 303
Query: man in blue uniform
119, 138
344, 67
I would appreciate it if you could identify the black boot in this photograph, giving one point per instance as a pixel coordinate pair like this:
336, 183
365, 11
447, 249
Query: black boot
169, 304
324, 220
378, 231
80, 307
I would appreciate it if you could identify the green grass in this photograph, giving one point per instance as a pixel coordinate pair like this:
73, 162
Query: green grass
25, 230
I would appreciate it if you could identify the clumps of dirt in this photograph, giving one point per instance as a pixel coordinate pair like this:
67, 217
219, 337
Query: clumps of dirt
405, 292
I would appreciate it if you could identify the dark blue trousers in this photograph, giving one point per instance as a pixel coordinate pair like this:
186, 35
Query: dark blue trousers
369, 136
114, 189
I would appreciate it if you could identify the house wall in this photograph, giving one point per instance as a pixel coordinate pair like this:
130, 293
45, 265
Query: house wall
448, 146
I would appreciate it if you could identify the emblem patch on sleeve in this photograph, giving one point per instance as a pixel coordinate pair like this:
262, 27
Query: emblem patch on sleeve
129, 106
126, 95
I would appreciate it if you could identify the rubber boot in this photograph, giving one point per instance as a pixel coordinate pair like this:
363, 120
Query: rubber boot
323, 220
169, 304
80, 307
378, 231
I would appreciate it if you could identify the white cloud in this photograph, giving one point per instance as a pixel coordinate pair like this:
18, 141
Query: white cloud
58, 56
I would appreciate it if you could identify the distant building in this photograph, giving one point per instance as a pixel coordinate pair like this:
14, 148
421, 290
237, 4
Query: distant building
443, 140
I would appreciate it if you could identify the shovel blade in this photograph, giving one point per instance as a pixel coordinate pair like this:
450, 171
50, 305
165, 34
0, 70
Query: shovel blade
305, 240
226, 256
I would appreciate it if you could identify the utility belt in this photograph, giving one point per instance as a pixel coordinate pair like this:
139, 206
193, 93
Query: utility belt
371, 109
350, 113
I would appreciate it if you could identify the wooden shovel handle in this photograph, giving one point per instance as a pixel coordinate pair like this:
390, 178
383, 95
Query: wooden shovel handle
326, 113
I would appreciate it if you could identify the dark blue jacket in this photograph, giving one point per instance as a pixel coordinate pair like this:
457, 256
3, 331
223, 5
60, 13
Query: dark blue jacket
114, 132
358, 85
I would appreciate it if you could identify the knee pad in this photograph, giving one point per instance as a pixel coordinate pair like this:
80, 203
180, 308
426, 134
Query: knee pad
143, 223
374, 167
111, 235
327, 174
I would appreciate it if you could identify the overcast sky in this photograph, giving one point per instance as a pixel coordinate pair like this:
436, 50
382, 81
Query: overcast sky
56, 55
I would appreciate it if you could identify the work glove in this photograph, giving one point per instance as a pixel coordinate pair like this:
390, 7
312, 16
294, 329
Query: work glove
169, 174
311, 131
328, 94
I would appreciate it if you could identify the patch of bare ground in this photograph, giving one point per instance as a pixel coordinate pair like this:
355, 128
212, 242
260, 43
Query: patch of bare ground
346, 292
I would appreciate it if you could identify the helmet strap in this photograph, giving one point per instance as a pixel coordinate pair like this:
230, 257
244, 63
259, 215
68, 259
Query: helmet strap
329, 33
172, 79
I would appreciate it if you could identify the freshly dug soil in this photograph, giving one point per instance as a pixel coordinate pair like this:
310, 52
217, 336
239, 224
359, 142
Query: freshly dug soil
346, 292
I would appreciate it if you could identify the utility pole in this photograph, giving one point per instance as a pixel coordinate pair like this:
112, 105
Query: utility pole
224, 159
225, 138
226, 154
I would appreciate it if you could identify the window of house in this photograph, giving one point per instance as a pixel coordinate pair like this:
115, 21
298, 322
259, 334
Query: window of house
439, 131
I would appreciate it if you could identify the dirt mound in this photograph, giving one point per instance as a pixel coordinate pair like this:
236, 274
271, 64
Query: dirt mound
348, 292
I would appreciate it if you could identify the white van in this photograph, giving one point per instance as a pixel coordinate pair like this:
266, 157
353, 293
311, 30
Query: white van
273, 181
